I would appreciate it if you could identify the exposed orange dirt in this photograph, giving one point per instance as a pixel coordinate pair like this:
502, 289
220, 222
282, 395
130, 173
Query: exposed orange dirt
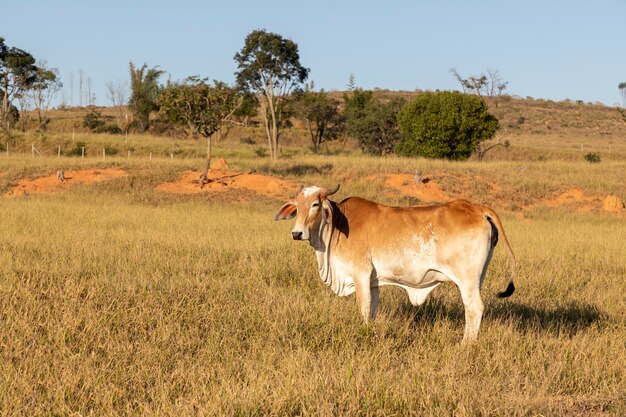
425, 191
576, 198
223, 180
52, 184
612, 204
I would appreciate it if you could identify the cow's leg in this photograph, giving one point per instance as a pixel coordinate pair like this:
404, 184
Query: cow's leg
473, 309
375, 291
366, 297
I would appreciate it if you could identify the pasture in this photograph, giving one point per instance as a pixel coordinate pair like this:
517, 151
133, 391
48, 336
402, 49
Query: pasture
119, 299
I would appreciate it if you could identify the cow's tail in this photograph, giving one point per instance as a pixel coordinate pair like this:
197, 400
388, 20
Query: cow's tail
496, 231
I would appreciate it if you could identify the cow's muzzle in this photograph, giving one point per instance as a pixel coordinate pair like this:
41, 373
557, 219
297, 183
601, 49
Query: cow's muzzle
296, 235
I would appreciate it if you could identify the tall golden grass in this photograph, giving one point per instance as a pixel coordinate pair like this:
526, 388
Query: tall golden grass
116, 299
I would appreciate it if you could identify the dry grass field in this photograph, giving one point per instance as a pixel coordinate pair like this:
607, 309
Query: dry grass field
120, 299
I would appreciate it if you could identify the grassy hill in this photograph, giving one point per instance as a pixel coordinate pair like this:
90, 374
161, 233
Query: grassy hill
518, 116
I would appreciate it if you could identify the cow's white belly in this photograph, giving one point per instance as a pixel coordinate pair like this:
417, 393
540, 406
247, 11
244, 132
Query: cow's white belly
408, 267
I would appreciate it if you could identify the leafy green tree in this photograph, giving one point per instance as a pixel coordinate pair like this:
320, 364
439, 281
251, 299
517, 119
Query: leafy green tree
378, 131
446, 124
269, 66
321, 115
144, 90
203, 108
247, 109
355, 107
17, 74
372, 122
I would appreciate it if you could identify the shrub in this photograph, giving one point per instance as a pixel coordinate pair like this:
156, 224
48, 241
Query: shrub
445, 124
112, 129
111, 150
77, 150
93, 120
592, 157
97, 123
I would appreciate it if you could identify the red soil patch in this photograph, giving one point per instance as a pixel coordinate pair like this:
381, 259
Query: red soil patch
224, 180
427, 192
613, 204
51, 183
574, 197
220, 164
577, 199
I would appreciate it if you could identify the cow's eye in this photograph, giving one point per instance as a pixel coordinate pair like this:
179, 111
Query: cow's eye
315, 205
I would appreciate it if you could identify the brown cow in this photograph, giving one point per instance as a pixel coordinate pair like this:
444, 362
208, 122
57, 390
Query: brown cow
361, 245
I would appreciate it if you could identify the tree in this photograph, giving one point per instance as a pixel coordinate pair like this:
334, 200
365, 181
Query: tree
490, 84
321, 115
269, 66
351, 83
203, 108
378, 131
446, 124
144, 90
117, 93
622, 88
43, 90
17, 73
247, 109
372, 121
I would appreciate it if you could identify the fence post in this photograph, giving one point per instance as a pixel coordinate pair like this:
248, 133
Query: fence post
104, 153
171, 156
7, 148
59, 152
83, 152
151, 156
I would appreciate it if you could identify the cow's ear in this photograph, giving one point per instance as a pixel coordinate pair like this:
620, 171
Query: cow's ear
327, 211
287, 211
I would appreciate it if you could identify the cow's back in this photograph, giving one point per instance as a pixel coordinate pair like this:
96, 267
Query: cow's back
367, 227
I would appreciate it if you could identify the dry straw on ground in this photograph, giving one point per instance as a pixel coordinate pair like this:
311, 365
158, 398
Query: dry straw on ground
117, 298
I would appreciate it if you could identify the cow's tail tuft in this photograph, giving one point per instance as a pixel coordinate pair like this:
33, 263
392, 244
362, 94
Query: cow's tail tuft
494, 220
510, 289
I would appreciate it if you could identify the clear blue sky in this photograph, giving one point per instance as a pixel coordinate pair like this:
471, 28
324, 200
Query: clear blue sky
545, 49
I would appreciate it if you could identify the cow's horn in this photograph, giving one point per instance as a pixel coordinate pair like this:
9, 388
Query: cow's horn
331, 192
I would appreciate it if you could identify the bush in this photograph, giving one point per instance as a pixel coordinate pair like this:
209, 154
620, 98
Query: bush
592, 157
110, 151
247, 141
445, 124
77, 150
108, 128
97, 123
93, 120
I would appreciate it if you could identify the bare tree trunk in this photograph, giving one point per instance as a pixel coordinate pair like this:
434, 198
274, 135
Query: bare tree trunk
313, 139
274, 138
5, 103
266, 124
204, 176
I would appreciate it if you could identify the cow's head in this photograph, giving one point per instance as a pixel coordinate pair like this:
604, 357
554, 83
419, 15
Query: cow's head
310, 209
